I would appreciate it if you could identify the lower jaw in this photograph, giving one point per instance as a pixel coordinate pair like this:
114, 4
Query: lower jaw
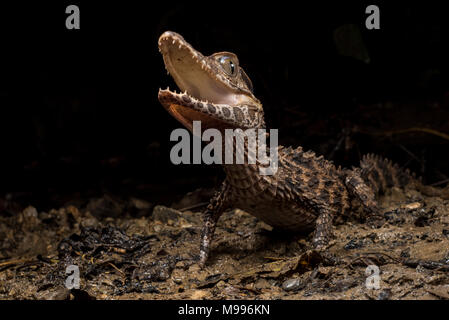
186, 116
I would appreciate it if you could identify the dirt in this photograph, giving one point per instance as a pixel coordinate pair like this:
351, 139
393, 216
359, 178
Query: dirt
130, 249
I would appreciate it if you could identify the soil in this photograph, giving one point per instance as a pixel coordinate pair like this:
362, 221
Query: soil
130, 249
87, 184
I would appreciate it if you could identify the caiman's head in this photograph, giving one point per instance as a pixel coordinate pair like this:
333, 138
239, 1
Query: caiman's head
214, 89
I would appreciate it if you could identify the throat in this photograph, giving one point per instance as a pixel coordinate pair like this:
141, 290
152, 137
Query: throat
243, 172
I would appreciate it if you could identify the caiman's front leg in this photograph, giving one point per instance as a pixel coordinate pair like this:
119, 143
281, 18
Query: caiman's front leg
323, 230
359, 189
322, 235
218, 204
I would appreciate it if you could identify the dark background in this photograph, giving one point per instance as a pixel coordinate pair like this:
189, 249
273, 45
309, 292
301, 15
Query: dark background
80, 116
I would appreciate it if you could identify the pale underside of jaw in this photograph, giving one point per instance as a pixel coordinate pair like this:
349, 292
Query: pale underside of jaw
187, 109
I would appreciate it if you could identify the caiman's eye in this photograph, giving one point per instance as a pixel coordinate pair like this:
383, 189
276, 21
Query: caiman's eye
228, 65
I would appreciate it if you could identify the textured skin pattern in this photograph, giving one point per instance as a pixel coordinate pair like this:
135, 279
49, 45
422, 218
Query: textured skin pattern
307, 192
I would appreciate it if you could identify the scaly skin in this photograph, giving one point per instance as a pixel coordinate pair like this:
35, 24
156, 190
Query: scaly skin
306, 192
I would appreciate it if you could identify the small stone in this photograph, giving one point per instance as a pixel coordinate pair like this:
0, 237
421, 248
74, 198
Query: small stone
198, 294
412, 206
384, 294
91, 222
164, 214
261, 284
194, 268
177, 280
30, 212
157, 228
140, 204
420, 269
29, 218
291, 285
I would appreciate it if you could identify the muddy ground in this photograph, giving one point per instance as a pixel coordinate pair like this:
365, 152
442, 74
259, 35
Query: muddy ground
131, 249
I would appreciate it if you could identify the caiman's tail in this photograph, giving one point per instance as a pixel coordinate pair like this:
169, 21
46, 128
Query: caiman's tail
381, 174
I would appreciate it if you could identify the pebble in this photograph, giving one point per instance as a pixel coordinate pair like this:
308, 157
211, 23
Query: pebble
29, 218
140, 204
157, 228
30, 212
198, 294
412, 206
384, 294
91, 222
261, 284
291, 284
177, 280
165, 214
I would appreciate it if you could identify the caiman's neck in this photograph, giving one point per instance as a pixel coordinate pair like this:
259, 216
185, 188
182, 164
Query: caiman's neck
245, 175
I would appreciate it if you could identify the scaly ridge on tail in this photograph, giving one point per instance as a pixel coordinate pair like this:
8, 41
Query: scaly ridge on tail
381, 174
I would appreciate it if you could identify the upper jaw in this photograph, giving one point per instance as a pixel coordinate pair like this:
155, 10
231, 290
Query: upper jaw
194, 74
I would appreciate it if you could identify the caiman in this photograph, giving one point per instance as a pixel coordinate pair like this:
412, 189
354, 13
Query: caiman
307, 191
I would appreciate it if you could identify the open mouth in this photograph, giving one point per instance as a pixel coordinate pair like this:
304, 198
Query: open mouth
205, 92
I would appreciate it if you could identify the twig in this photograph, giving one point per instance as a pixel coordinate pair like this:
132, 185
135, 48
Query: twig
12, 262
413, 129
116, 268
25, 262
439, 182
194, 206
